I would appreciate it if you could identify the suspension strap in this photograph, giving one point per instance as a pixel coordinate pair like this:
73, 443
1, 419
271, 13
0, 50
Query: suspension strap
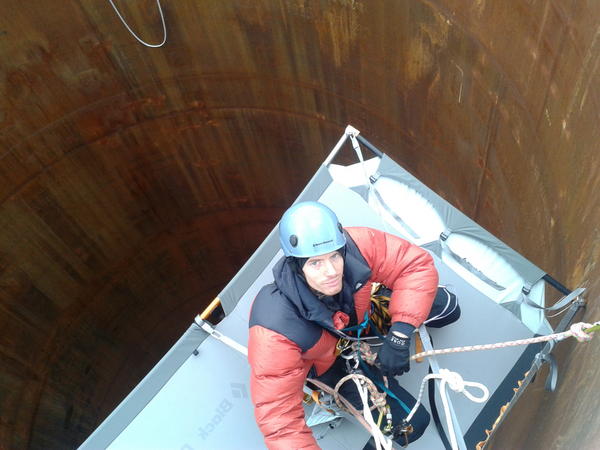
220, 337
559, 306
435, 414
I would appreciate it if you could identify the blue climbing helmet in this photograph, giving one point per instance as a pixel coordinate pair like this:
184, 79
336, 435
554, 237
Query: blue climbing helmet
309, 229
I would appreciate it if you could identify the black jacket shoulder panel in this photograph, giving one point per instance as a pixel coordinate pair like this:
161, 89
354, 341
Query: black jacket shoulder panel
272, 310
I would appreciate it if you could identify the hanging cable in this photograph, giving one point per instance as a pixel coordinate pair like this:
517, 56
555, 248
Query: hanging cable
162, 18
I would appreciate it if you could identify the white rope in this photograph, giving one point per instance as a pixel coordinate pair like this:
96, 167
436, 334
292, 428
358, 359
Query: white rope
345, 404
162, 18
381, 441
457, 384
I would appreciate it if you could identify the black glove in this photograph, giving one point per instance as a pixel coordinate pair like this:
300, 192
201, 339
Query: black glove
394, 356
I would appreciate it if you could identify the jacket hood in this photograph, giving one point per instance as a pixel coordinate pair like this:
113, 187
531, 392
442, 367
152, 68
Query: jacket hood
297, 291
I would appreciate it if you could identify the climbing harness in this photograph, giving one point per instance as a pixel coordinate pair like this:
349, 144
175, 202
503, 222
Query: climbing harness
358, 356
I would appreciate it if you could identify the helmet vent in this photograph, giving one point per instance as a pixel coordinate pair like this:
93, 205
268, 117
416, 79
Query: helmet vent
294, 240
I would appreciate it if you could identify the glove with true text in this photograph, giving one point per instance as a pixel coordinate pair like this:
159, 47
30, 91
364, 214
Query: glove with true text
394, 356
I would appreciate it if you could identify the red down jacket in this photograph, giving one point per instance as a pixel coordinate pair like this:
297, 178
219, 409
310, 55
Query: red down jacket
292, 332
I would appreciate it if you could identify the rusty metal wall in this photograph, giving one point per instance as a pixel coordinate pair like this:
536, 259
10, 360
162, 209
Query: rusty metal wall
134, 181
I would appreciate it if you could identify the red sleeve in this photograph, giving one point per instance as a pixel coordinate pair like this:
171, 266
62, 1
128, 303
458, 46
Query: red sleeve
404, 268
277, 377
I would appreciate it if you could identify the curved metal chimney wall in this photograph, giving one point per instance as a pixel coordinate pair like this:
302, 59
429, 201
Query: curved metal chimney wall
135, 181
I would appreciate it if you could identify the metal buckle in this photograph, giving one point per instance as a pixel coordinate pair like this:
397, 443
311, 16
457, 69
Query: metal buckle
342, 345
404, 429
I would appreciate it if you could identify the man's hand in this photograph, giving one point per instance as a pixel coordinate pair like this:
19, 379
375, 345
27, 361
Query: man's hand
394, 356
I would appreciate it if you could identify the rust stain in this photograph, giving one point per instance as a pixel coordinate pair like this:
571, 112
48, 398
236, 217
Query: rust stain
423, 48
586, 263
479, 7
587, 70
338, 28
420, 60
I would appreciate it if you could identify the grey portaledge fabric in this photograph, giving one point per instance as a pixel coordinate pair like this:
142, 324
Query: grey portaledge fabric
457, 222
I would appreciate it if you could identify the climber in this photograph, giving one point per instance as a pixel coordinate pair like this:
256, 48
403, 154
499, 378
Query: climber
321, 286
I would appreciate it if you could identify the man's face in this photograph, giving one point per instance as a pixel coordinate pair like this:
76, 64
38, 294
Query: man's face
324, 273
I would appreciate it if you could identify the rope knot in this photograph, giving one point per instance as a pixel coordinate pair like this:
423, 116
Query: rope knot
379, 400
577, 331
366, 353
454, 380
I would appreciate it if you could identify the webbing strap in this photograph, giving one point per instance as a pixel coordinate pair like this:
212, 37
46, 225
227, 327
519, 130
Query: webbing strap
467, 265
562, 303
361, 326
435, 413
392, 213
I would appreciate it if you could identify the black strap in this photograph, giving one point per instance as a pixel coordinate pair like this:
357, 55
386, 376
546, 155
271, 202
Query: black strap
435, 414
